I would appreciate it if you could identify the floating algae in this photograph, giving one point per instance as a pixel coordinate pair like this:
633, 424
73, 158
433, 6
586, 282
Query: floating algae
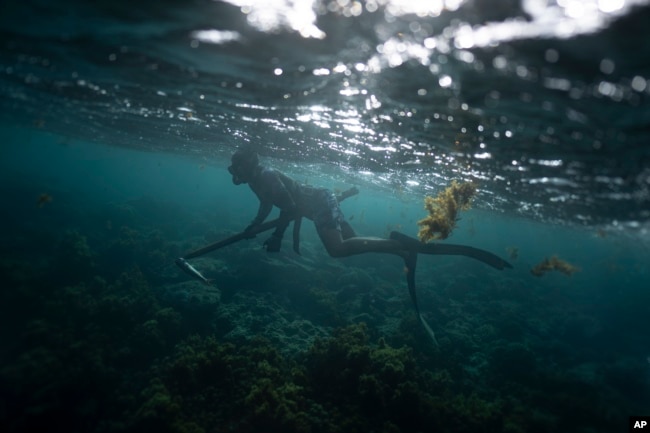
443, 210
553, 264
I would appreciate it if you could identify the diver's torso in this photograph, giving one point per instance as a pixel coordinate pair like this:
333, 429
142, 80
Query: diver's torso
272, 186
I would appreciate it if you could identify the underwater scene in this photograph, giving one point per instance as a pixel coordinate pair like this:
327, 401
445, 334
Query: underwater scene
502, 146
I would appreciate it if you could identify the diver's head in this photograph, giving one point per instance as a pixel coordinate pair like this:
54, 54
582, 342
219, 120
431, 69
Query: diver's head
244, 163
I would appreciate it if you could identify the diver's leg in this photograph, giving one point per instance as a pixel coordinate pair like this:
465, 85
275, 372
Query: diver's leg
339, 238
337, 246
415, 245
347, 231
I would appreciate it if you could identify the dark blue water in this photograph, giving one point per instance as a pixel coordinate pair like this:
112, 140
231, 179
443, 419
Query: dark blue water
117, 122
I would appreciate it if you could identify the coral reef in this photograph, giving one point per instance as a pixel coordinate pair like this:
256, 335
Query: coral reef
75, 260
554, 263
115, 345
443, 210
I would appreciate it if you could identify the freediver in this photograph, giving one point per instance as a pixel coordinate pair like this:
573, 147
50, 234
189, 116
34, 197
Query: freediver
296, 200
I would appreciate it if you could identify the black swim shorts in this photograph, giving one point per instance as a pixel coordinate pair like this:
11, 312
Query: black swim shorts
327, 213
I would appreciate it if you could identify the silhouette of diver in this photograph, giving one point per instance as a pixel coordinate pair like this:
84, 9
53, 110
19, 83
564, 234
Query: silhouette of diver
296, 200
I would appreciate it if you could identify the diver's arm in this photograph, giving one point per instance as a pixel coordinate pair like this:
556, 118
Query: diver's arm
282, 191
274, 242
279, 187
284, 220
262, 212
276, 191
260, 186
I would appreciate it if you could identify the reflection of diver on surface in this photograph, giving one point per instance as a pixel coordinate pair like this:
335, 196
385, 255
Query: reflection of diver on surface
296, 200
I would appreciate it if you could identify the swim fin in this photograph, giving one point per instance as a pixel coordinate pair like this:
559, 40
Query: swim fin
411, 263
415, 247
451, 250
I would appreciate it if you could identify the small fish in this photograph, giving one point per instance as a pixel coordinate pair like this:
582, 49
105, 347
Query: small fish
190, 270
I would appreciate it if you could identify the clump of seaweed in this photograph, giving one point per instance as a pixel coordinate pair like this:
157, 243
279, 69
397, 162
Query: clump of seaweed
443, 210
554, 263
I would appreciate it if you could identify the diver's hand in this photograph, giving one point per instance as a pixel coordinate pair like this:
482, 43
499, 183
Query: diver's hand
273, 244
